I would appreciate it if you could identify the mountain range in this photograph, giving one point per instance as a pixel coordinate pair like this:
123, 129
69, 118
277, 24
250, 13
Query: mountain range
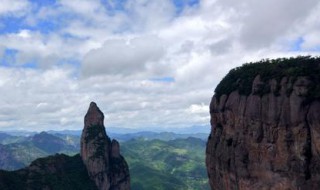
168, 159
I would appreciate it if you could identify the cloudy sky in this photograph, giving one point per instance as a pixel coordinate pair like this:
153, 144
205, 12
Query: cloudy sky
146, 63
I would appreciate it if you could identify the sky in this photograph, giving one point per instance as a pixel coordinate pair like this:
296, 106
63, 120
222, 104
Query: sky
148, 64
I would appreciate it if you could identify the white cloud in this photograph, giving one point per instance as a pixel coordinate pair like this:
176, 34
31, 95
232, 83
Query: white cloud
149, 15
196, 108
264, 22
123, 57
13, 8
124, 54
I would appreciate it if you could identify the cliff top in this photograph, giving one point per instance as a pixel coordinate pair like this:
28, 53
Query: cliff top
241, 78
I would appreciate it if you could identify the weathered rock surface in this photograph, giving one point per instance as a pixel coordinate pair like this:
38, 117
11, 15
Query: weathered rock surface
102, 157
269, 141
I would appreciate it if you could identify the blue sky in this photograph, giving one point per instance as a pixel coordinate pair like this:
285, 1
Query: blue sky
146, 63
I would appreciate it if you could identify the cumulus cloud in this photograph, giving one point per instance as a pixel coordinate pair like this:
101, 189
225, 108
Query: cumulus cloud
144, 63
261, 23
13, 8
123, 57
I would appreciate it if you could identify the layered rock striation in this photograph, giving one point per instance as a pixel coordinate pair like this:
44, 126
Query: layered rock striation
101, 156
268, 138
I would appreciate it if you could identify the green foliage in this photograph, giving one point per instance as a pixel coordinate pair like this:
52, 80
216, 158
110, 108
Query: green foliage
41, 145
241, 78
92, 132
97, 134
59, 172
175, 164
154, 164
146, 177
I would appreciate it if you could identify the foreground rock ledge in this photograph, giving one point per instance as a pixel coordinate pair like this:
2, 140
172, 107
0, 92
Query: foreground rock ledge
106, 167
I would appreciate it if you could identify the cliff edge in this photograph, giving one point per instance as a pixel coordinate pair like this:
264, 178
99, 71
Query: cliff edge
265, 120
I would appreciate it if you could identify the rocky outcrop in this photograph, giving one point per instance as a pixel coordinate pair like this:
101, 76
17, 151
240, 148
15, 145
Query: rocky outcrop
53, 172
102, 158
265, 140
100, 166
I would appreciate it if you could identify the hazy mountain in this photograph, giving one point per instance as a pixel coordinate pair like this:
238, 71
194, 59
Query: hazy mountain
19, 151
51, 143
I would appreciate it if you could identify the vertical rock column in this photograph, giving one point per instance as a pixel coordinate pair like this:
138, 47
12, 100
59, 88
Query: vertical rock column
96, 153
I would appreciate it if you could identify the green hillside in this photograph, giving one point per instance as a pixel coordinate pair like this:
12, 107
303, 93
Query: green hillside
22, 151
153, 163
176, 164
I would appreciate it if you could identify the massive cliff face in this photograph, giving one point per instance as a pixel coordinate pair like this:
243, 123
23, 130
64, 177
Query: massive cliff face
101, 157
267, 140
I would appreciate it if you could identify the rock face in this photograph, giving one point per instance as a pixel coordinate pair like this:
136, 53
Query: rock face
102, 158
265, 141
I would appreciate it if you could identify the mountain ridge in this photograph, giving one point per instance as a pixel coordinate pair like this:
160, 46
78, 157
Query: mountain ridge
98, 167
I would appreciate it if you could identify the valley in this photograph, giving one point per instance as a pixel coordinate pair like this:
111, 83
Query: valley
157, 160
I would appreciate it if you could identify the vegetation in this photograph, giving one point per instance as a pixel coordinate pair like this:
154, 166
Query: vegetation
241, 78
23, 150
175, 164
93, 132
54, 172
153, 164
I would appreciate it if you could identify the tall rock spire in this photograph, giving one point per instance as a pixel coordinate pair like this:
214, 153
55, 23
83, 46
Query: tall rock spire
96, 153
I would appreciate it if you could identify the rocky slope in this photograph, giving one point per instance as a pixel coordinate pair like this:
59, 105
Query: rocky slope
101, 156
54, 172
267, 137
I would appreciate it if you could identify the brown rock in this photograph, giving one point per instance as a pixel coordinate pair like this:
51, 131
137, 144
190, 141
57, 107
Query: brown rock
269, 141
97, 152
115, 149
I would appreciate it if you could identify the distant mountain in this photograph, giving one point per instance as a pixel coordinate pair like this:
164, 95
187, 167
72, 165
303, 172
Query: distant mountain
20, 133
181, 130
158, 164
171, 161
8, 160
148, 135
6, 138
100, 165
66, 132
51, 144
18, 152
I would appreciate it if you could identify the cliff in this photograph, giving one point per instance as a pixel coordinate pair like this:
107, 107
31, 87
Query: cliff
265, 120
106, 167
